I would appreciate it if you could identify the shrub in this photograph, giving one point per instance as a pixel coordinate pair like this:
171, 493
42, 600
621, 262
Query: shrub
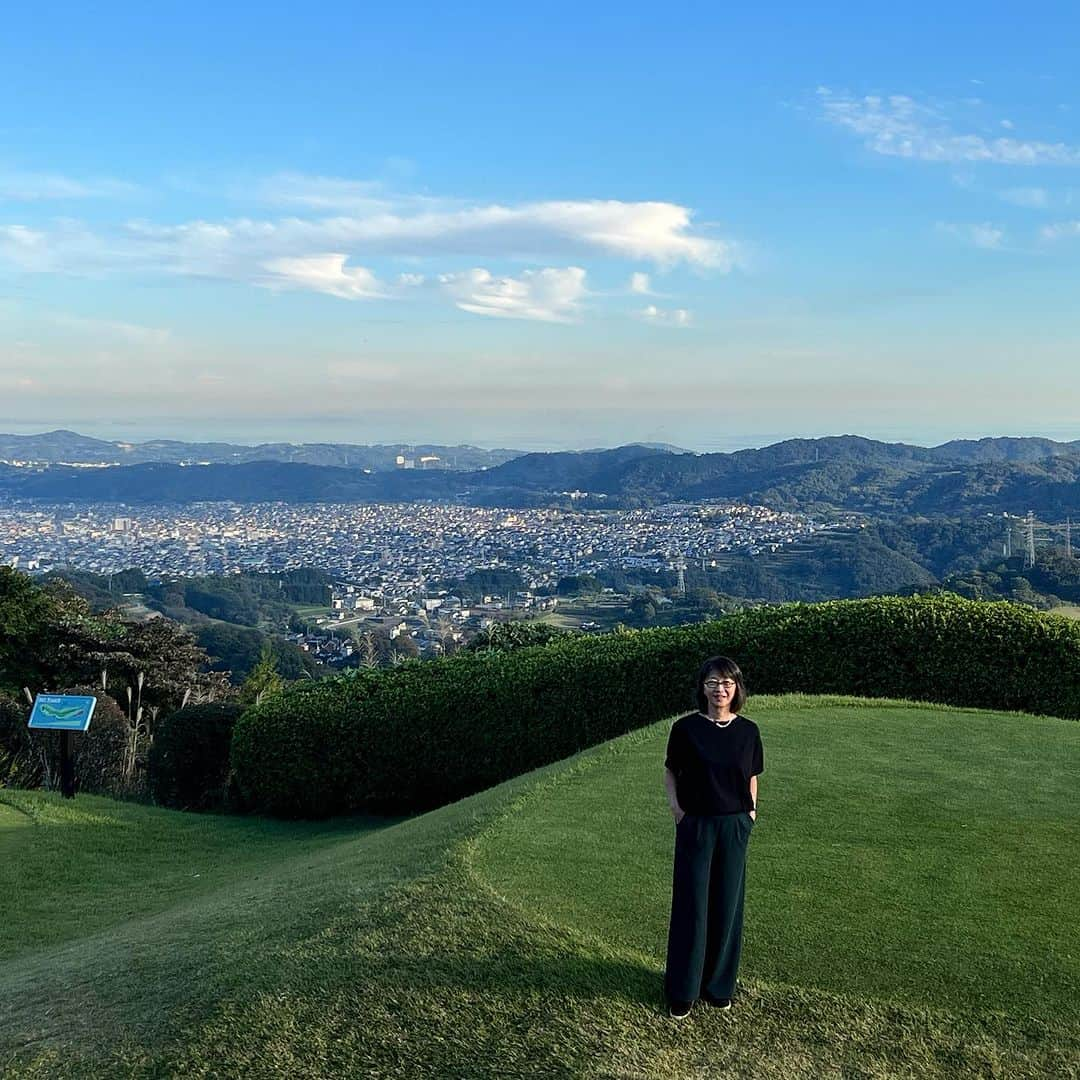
421, 735
31, 759
15, 757
505, 637
189, 760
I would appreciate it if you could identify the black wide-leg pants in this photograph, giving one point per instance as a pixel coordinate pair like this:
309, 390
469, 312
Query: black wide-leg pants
705, 938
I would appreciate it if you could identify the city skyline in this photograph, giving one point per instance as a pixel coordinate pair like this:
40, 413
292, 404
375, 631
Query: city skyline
551, 230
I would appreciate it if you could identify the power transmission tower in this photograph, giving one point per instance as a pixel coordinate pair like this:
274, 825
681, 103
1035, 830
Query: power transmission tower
1068, 537
681, 567
1030, 530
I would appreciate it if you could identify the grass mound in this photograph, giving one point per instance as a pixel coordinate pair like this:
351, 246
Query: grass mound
902, 853
508, 935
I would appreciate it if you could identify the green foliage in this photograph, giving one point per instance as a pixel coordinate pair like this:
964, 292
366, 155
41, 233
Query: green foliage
263, 681
101, 591
49, 639
474, 586
189, 760
505, 637
236, 649
1054, 578
15, 757
30, 759
577, 584
421, 735
241, 599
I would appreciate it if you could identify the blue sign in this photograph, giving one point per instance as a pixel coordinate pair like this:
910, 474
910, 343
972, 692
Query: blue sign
62, 712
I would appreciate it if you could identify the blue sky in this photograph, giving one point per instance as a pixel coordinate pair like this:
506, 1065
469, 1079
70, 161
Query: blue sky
550, 228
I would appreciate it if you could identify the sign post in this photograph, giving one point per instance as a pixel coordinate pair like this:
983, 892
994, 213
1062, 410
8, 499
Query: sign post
64, 713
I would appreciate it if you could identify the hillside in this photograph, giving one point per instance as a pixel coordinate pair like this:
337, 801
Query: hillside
891, 918
70, 447
843, 473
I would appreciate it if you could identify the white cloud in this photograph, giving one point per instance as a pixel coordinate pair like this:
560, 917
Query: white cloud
900, 126
325, 274
238, 248
1008, 125
1034, 198
1061, 229
64, 247
38, 187
982, 235
679, 317
548, 295
334, 254
19, 238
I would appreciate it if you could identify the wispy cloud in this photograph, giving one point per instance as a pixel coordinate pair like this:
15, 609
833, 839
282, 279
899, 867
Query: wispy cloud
65, 246
655, 231
337, 254
1060, 230
131, 333
1033, 198
548, 295
901, 126
321, 193
984, 234
37, 187
677, 317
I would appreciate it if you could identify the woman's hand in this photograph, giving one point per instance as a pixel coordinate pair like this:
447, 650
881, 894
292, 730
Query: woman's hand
678, 813
753, 815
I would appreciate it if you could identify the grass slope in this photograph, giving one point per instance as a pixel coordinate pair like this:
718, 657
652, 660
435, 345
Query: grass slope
915, 854
440, 946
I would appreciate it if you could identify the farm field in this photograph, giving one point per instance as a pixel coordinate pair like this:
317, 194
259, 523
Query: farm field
909, 912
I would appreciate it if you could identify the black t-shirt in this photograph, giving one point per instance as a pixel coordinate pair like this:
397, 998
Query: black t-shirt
713, 765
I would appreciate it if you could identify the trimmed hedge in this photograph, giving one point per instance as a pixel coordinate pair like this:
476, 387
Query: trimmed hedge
418, 736
189, 759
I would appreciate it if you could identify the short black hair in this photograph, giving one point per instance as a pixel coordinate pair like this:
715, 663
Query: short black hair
725, 668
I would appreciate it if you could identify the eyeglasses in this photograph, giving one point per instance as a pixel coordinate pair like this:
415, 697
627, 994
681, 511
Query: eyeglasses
717, 684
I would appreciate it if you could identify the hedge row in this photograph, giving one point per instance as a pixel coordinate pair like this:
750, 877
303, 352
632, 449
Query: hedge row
189, 760
424, 734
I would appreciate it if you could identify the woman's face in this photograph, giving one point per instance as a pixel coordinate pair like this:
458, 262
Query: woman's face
719, 690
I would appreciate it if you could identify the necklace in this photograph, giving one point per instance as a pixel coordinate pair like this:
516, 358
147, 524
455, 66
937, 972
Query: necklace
718, 723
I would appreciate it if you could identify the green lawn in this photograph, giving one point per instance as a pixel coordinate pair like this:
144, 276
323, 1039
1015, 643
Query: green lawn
910, 854
910, 913
93, 862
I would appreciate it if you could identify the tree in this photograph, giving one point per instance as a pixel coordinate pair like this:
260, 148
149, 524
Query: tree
576, 584
641, 608
368, 653
505, 637
263, 680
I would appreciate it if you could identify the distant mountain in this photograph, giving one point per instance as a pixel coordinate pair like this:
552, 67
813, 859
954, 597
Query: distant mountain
68, 447
837, 473
984, 451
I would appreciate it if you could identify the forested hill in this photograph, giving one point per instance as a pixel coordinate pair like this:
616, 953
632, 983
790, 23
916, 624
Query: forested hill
845, 472
69, 447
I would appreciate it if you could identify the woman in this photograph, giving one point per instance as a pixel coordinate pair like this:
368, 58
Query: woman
714, 758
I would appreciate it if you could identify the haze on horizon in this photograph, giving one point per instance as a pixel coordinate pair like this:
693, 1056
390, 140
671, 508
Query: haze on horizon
544, 229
